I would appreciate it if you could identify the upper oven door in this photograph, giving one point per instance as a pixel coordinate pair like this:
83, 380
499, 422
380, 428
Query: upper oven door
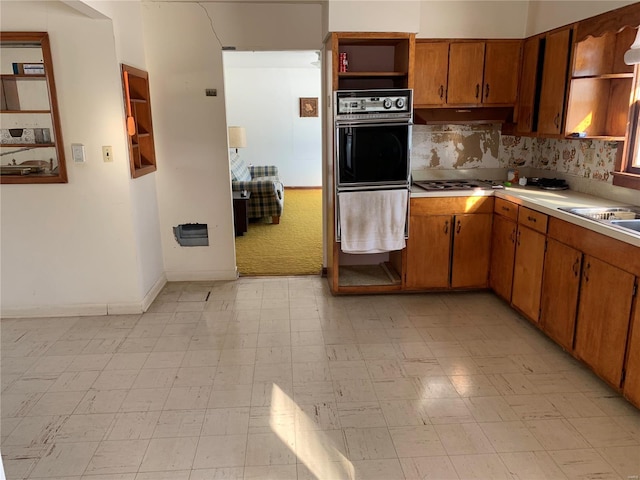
373, 154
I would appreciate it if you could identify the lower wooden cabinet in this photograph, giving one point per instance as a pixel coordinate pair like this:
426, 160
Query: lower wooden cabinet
471, 250
428, 251
632, 375
560, 289
503, 252
604, 312
527, 272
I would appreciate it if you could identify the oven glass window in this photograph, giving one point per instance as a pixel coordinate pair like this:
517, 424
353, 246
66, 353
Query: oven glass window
373, 154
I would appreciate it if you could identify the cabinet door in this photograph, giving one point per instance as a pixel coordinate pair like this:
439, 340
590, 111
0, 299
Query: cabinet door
466, 64
632, 378
501, 71
503, 252
429, 248
528, 77
527, 272
604, 313
560, 287
554, 81
431, 64
471, 250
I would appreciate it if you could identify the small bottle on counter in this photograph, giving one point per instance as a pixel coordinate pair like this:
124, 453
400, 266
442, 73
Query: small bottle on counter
516, 176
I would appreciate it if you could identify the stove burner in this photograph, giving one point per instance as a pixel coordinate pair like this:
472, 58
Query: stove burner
441, 185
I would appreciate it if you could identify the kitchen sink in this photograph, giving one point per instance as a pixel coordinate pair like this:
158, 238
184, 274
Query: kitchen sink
626, 218
630, 224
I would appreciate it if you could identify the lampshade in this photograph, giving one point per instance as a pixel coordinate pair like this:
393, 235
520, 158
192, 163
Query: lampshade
237, 137
632, 56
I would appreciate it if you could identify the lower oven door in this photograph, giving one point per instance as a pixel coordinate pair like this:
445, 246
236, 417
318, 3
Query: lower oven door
374, 154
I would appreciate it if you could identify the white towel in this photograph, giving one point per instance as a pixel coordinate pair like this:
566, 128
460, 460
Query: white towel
372, 221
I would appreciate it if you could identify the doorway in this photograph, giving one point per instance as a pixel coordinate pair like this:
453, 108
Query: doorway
275, 96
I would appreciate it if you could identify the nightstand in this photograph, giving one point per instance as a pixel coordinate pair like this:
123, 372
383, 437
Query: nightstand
240, 212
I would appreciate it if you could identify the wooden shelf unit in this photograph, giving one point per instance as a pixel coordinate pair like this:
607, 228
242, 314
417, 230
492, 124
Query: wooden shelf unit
600, 86
30, 47
142, 157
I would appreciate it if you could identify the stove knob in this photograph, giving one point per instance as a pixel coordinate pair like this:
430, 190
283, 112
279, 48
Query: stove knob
387, 103
400, 103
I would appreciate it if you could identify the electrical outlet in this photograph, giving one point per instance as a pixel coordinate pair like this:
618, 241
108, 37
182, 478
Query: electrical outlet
107, 153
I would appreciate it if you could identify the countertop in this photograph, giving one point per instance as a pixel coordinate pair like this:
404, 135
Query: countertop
548, 202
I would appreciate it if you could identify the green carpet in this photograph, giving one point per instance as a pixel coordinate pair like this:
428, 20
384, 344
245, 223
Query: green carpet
293, 247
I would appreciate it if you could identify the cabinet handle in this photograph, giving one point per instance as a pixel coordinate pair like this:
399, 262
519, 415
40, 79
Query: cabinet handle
531, 219
513, 236
446, 226
441, 92
576, 267
586, 272
506, 209
518, 237
556, 120
477, 90
459, 227
486, 95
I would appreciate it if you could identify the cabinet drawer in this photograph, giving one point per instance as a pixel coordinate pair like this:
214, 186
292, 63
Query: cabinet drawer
532, 219
451, 205
506, 209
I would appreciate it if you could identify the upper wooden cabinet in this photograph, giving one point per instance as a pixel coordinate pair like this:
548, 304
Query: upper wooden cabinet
374, 60
466, 73
31, 146
466, 66
527, 113
432, 64
600, 87
555, 50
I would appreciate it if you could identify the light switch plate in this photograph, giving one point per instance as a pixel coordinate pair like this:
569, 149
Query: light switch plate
107, 153
77, 152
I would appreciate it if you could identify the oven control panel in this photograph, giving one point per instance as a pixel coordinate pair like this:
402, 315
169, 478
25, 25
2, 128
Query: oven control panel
373, 104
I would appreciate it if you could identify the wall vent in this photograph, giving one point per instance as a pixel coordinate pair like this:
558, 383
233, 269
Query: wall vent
192, 235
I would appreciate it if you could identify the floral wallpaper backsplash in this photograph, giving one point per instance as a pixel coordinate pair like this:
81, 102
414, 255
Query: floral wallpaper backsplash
483, 146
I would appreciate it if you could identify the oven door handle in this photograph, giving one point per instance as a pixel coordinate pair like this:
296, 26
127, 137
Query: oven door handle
348, 150
373, 123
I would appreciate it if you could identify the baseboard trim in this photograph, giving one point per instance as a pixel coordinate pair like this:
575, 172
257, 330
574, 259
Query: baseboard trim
203, 276
82, 310
154, 292
302, 188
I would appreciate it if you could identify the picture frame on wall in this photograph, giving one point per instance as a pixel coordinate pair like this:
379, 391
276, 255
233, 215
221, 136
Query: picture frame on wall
308, 106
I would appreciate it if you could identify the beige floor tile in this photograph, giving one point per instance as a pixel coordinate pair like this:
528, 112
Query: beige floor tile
420, 468
100, 401
65, 459
201, 358
395, 389
179, 423
625, 460
447, 410
74, 381
480, 467
510, 437
309, 392
273, 373
88, 428
36, 430
311, 372
57, 403
188, 398
194, 376
273, 472
463, 439
132, 426
169, 454
223, 473
144, 399
127, 361
155, 378
416, 441
357, 390
171, 475
604, 432
220, 451
490, 409
403, 413
532, 407
369, 443
122, 456
168, 360
361, 414
574, 404
556, 434
265, 449
378, 469
586, 463
226, 421
533, 465
238, 356
115, 380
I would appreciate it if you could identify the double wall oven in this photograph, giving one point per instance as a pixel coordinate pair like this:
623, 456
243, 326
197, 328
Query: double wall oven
373, 141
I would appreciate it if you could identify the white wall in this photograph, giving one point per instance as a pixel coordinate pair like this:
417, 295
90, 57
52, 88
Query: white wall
262, 93
183, 46
546, 15
71, 248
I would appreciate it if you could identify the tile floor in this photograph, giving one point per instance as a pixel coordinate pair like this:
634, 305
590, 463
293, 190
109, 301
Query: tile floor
277, 379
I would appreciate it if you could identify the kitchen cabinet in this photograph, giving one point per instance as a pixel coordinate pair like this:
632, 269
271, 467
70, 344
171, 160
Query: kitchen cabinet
527, 114
466, 65
600, 87
560, 289
554, 81
31, 146
503, 247
604, 311
449, 243
482, 73
374, 60
432, 63
529, 262
631, 388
